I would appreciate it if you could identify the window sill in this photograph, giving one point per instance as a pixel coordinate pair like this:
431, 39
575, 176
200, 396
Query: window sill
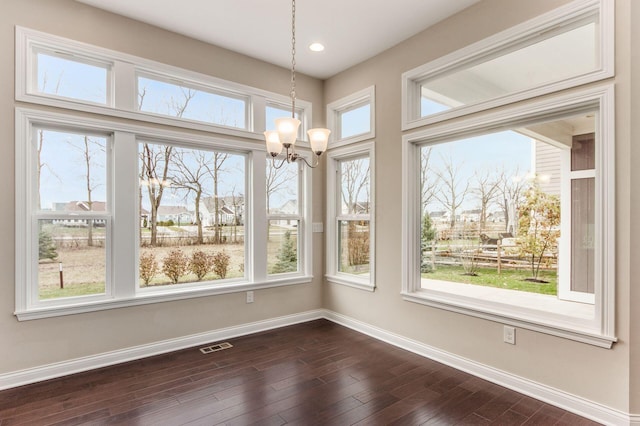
351, 282
148, 297
541, 313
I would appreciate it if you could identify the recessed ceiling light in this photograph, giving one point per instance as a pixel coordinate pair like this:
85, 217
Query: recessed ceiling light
316, 47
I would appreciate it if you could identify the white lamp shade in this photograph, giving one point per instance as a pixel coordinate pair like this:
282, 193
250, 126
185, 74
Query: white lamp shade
287, 129
274, 147
318, 139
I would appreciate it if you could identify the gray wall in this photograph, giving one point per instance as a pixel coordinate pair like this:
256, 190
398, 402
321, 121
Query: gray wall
35, 343
593, 373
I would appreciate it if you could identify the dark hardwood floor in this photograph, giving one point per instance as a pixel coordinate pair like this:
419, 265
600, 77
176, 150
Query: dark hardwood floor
317, 373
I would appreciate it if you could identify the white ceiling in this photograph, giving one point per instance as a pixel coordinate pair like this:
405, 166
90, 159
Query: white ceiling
351, 30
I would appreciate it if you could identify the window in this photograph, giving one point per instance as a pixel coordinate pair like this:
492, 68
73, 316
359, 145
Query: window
516, 225
352, 119
283, 212
188, 102
68, 76
71, 212
63, 73
569, 46
189, 220
350, 229
192, 209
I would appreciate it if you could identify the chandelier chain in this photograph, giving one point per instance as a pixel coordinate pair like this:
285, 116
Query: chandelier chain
293, 58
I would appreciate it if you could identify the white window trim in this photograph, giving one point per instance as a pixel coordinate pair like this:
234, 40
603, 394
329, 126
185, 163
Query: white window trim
336, 108
122, 93
599, 332
124, 290
360, 150
503, 41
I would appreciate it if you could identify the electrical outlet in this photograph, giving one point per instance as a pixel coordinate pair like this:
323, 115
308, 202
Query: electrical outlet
509, 335
250, 297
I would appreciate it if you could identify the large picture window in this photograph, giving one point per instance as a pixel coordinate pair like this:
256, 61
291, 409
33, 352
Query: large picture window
112, 214
515, 224
192, 206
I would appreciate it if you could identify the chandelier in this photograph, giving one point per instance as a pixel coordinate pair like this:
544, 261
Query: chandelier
286, 131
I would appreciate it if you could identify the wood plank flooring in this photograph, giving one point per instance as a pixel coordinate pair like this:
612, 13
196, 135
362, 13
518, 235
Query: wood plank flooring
316, 373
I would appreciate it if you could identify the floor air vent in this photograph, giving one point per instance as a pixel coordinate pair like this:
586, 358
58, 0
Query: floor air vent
215, 348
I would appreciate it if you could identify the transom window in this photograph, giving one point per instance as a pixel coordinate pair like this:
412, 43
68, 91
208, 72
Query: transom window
189, 102
72, 77
63, 73
566, 47
352, 119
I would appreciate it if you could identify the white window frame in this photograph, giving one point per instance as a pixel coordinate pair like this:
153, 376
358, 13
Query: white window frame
337, 108
123, 252
334, 157
599, 331
502, 43
122, 86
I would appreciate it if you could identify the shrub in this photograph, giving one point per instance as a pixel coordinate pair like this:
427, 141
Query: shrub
148, 267
46, 247
357, 245
200, 264
221, 262
175, 265
287, 256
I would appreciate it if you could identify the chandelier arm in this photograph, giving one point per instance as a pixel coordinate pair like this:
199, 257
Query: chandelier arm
279, 166
311, 165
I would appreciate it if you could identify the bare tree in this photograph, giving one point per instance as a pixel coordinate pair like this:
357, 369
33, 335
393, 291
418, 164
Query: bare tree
87, 150
215, 170
510, 193
428, 185
189, 171
90, 187
156, 159
154, 173
355, 179
278, 179
453, 190
237, 200
486, 189
41, 165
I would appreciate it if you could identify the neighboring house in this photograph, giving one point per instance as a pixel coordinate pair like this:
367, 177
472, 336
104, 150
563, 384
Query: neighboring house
470, 215
79, 207
178, 214
230, 210
439, 216
496, 216
547, 166
289, 207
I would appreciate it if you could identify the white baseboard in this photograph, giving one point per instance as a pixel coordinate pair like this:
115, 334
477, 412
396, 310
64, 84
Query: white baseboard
59, 369
572, 403
566, 401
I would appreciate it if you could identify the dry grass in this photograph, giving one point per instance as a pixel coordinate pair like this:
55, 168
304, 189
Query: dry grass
84, 267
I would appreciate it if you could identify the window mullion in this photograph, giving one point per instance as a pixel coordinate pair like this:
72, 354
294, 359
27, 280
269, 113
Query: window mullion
126, 214
257, 245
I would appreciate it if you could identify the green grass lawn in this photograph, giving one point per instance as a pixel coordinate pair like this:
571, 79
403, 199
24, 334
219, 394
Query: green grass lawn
508, 279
